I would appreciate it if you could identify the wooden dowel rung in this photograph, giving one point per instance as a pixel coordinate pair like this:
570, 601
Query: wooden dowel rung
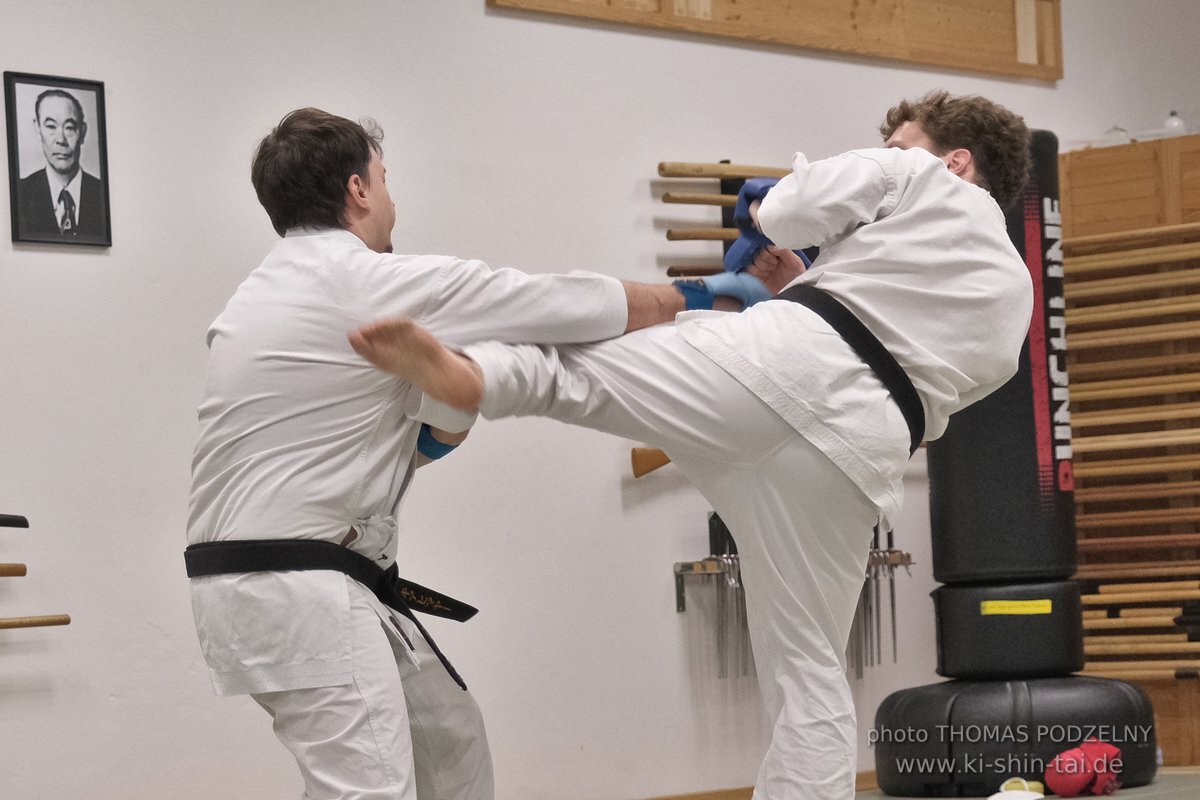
1147, 517
12, 570
1135, 441
1084, 391
1090, 649
1138, 597
692, 272
689, 169
702, 234
1146, 674
1139, 491
1100, 613
1156, 308
1127, 284
1138, 638
699, 199
1075, 266
1123, 240
1136, 572
1157, 465
1118, 588
1126, 623
1129, 416
1153, 542
1126, 665
34, 622
1114, 368
1144, 334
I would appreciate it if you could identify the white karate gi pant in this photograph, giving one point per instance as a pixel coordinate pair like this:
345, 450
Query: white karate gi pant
403, 730
803, 529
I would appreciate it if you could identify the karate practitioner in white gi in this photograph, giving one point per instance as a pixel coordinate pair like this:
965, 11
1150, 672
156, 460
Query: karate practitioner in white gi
770, 413
302, 439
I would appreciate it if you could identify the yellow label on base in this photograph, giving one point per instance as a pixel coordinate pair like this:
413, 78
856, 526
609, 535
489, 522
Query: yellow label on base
1010, 608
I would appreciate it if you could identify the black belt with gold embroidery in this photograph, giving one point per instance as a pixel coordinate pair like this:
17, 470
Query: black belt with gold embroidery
870, 350
283, 555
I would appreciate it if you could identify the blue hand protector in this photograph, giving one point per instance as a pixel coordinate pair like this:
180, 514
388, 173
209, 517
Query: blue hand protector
754, 189
742, 252
741, 286
430, 447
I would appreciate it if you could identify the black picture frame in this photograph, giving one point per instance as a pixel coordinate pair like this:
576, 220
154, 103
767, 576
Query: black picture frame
77, 148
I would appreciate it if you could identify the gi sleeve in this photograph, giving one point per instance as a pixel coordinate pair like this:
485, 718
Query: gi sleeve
828, 199
473, 302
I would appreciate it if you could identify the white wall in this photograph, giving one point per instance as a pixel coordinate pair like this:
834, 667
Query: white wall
526, 141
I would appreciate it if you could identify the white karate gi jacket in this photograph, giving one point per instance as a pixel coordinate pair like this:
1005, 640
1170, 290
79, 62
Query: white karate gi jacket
923, 259
300, 438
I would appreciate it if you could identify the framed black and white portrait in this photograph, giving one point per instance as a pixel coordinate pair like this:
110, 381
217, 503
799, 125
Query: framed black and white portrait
57, 159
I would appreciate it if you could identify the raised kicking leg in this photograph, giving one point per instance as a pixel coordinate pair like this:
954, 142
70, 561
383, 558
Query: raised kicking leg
402, 347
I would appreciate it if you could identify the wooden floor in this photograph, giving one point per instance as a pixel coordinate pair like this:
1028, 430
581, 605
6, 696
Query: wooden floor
1172, 783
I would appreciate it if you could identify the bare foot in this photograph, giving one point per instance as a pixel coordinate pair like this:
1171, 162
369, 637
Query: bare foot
402, 347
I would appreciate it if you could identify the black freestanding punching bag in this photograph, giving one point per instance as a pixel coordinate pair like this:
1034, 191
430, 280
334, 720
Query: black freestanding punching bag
1001, 499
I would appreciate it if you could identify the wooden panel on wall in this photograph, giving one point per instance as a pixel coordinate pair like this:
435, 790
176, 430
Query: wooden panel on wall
1009, 37
1130, 187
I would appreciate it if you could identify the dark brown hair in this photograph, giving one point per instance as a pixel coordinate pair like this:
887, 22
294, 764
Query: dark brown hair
301, 168
997, 138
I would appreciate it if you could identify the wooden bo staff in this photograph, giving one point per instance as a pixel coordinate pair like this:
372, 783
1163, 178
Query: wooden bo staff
693, 272
699, 199
688, 169
647, 459
12, 570
34, 622
703, 234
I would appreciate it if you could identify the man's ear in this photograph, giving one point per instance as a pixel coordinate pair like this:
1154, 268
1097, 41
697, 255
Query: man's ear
356, 192
960, 162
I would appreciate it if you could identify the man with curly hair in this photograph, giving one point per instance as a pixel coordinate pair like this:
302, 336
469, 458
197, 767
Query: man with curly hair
796, 418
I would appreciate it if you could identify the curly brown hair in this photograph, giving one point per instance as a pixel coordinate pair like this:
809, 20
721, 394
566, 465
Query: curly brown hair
997, 138
300, 168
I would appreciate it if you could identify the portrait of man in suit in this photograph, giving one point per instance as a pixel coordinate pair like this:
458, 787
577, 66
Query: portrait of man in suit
61, 201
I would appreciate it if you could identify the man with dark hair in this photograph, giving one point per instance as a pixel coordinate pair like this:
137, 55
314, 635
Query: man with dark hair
796, 419
60, 201
305, 453
996, 138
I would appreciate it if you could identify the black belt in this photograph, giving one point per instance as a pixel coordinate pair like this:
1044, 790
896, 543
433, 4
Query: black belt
281, 555
869, 349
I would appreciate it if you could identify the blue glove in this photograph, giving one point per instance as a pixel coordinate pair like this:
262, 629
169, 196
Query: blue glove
742, 286
430, 447
742, 252
753, 189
